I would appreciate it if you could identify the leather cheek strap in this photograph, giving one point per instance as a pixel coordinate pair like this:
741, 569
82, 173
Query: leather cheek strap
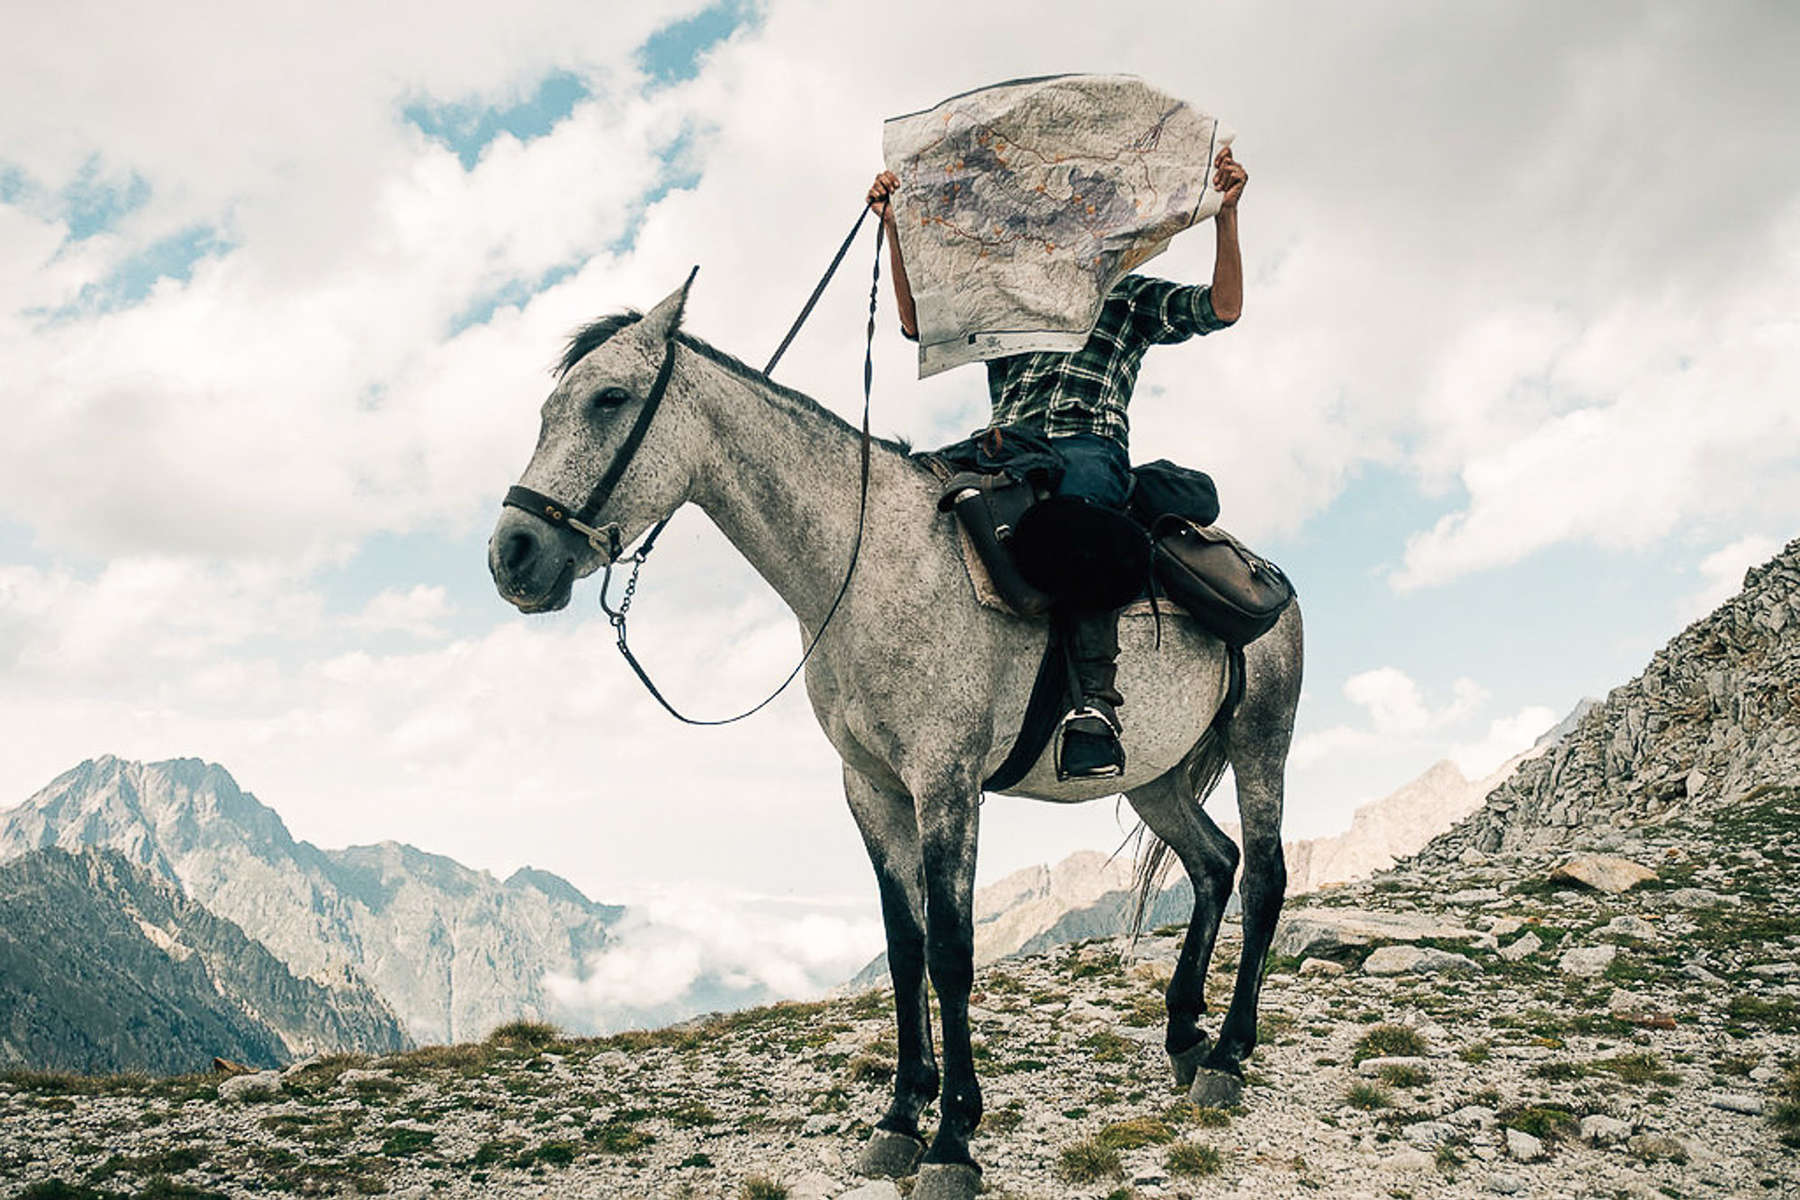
581, 521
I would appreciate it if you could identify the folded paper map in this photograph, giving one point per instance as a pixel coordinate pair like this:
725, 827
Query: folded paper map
1021, 204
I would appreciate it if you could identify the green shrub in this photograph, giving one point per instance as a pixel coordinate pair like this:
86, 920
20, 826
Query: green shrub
1389, 1041
524, 1035
1192, 1158
1087, 1162
1134, 1134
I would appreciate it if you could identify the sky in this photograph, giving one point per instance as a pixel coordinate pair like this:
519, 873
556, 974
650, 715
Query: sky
1511, 398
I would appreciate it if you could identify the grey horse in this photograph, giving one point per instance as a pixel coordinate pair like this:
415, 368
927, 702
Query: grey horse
920, 689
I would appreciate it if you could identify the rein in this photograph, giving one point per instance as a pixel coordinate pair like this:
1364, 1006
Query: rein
605, 539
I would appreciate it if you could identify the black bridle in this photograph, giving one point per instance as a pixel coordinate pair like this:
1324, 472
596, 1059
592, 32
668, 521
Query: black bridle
580, 520
605, 539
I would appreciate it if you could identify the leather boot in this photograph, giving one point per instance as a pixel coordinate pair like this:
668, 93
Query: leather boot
1088, 740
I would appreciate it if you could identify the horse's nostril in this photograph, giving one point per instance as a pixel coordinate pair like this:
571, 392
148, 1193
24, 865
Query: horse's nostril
518, 550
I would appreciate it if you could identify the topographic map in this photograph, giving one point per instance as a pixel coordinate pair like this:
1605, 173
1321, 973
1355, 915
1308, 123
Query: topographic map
1021, 204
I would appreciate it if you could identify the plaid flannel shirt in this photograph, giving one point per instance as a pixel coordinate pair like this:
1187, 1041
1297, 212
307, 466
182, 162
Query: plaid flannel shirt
1086, 391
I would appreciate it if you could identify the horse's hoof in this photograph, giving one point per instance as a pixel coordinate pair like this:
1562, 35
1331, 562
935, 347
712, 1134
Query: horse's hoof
1187, 1062
947, 1181
1216, 1089
889, 1155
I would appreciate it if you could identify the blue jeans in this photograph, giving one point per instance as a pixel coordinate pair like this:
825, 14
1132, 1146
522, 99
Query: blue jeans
1095, 468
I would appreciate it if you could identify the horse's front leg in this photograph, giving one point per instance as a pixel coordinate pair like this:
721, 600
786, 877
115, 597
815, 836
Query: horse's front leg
890, 831
948, 804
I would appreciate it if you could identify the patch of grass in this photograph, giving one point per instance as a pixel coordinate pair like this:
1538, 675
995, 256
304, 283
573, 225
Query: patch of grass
692, 1114
1106, 1046
1786, 1113
56, 1189
1007, 1118
1087, 1162
697, 1159
619, 1137
406, 1140
557, 1152
164, 1188
1389, 1041
761, 1187
499, 1150
1404, 1075
1135, 1133
1475, 1052
1367, 1096
869, 1068
524, 1035
1540, 1121
1640, 1068
1754, 1010
1193, 1158
161, 1162
467, 1058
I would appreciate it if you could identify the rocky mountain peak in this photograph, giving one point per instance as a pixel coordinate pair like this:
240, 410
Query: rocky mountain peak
450, 948
1714, 716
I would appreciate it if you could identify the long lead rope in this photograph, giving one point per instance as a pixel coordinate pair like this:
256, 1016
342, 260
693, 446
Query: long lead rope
617, 616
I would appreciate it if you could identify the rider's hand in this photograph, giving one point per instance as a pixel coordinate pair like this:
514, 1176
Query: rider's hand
1229, 178
884, 187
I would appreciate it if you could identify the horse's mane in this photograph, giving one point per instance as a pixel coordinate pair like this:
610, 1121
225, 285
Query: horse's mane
590, 336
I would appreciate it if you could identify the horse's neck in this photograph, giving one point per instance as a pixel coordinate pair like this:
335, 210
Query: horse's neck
781, 481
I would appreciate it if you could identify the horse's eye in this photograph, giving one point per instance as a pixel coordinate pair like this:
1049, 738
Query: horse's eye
611, 397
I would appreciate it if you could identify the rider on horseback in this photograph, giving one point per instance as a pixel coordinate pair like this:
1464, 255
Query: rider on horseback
1077, 401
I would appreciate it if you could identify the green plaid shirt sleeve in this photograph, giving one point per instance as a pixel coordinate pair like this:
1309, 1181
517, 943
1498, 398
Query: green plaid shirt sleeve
1087, 391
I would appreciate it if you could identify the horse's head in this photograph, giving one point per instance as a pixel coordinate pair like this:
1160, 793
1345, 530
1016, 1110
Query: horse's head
603, 471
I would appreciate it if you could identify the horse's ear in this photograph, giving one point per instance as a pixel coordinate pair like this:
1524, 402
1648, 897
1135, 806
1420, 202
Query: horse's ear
663, 320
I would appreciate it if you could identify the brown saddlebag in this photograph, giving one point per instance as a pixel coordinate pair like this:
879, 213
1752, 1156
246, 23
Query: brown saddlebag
989, 507
1234, 594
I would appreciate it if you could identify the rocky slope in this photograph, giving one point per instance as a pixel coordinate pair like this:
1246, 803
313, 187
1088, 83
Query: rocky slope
104, 967
1714, 716
1386, 830
453, 951
1464, 1029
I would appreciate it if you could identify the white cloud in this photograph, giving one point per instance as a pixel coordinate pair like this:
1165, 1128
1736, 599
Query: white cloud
1397, 706
678, 954
1723, 572
419, 611
1506, 736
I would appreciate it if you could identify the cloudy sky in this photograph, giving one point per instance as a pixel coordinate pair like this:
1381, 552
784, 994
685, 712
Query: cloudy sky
1511, 398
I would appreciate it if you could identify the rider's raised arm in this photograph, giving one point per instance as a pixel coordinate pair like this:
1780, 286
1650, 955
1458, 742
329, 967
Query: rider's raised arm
879, 192
1228, 264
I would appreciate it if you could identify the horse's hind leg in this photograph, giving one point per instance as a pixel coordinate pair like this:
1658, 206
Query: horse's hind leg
890, 830
1256, 742
1210, 858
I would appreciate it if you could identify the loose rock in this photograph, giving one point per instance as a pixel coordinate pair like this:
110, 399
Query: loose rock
1524, 947
1602, 872
1523, 1146
1587, 961
1415, 960
261, 1086
1601, 1130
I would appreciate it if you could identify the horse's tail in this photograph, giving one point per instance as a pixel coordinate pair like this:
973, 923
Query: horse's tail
1202, 769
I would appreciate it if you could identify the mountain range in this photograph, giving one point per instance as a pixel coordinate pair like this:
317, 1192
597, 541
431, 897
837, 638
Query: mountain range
452, 951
